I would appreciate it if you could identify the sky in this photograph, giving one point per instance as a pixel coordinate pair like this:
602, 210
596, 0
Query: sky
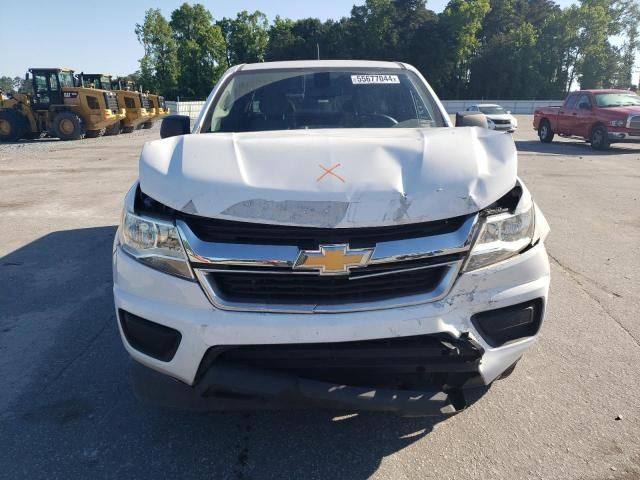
101, 39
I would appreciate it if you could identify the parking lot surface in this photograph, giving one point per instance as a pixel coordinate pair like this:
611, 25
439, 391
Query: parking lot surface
571, 410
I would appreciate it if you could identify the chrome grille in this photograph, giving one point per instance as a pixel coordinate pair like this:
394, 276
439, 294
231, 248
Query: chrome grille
403, 270
634, 122
276, 288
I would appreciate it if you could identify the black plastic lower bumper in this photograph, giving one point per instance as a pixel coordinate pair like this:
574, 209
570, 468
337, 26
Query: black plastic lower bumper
265, 390
411, 376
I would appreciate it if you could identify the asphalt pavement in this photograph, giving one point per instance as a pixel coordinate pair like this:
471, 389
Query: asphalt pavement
571, 409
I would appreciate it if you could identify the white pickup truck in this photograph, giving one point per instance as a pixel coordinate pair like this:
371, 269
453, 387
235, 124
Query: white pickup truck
322, 236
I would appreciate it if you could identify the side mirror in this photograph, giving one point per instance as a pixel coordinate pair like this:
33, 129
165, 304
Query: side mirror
508, 112
26, 77
175, 125
471, 119
584, 106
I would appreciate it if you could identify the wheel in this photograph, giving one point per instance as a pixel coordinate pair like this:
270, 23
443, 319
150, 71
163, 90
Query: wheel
127, 129
147, 125
113, 129
95, 133
599, 138
68, 126
545, 132
12, 126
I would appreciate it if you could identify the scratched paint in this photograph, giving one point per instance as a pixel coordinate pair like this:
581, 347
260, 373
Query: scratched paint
386, 176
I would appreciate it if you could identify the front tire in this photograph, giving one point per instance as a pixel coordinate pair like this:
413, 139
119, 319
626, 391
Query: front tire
600, 138
68, 126
127, 129
12, 126
545, 132
147, 125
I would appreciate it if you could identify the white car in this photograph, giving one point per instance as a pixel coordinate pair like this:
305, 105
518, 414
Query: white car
497, 117
323, 236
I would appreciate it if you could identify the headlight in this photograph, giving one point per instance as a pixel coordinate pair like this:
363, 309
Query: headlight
617, 123
155, 243
501, 236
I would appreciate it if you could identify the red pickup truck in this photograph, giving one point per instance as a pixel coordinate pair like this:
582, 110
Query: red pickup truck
601, 117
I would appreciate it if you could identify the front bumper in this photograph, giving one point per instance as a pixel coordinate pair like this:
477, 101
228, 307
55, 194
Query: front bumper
183, 306
136, 117
625, 136
502, 127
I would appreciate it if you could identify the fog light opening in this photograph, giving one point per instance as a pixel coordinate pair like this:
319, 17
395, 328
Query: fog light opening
509, 324
152, 339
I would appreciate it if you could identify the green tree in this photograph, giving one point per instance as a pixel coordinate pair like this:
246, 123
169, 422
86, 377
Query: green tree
303, 39
461, 22
508, 66
598, 60
6, 84
630, 19
201, 49
246, 37
372, 30
282, 41
159, 65
559, 47
13, 85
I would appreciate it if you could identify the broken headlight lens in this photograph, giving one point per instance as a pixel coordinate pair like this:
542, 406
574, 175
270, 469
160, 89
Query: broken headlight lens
155, 243
501, 236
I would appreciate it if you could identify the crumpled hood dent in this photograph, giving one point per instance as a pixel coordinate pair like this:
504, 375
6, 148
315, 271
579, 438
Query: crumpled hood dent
331, 178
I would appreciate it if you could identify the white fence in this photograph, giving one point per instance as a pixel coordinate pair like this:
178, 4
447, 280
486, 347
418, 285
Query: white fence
522, 107
185, 108
519, 107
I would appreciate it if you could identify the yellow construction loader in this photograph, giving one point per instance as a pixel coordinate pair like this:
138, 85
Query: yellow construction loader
57, 107
158, 109
136, 104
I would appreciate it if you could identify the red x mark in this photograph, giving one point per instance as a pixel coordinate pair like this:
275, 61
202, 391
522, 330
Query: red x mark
330, 171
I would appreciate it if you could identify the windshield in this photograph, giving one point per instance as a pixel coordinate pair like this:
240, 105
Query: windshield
105, 83
622, 99
66, 79
299, 99
492, 110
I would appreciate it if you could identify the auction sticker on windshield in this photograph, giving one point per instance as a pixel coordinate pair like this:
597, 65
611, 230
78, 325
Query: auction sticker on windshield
367, 79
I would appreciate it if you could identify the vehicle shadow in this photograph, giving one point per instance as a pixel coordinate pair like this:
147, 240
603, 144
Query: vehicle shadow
569, 147
32, 140
66, 397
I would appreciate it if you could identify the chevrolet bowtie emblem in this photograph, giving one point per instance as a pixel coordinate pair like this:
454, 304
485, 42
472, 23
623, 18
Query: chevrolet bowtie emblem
333, 259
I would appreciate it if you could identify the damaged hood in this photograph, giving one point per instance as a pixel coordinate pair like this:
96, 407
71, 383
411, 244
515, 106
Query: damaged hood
331, 178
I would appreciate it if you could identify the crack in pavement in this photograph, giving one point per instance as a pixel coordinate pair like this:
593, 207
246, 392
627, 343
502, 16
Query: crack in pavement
573, 275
